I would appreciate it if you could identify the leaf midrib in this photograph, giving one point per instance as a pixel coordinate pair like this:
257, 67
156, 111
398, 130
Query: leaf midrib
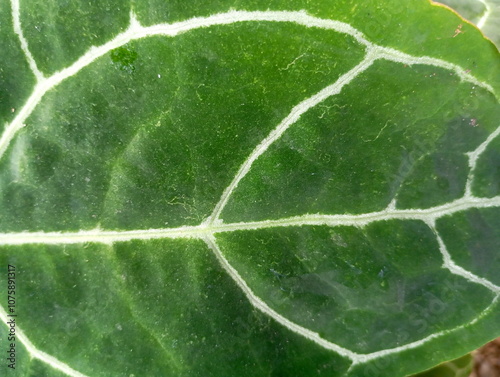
428, 215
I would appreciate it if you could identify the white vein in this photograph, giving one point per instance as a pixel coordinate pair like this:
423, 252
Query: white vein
473, 158
374, 52
428, 215
292, 117
457, 270
356, 358
18, 122
36, 353
206, 233
263, 307
361, 220
137, 31
375, 355
99, 236
213, 225
464, 74
16, 20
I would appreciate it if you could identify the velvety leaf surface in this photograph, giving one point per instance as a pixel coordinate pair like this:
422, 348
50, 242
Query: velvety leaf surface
246, 188
16, 80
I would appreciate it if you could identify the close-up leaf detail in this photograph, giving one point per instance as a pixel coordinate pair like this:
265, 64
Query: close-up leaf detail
247, 188
485, 14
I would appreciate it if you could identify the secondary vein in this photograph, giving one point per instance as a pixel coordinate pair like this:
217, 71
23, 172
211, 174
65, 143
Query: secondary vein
137, 31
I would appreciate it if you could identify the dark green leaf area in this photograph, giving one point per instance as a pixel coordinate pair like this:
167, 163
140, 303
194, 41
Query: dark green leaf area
487, 173
75, 295
350, 156
230, 94
199, 311
436, 173
390, 23
124, 58
156, 308
473, 238
156, 146
59, 32
158, 11
384, 282
471, 336
23, 359
16, 80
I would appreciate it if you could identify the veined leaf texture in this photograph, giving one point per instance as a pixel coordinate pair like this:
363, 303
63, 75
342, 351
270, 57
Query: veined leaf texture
246, 188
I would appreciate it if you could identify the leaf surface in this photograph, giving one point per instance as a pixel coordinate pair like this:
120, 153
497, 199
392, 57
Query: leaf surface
248, 189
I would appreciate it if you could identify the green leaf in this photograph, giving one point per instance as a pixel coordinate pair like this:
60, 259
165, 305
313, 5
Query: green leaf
246, 188
461, 367
483, 13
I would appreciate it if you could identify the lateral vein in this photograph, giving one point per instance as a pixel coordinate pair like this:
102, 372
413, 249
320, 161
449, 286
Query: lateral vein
16, 21
264, 308
356, 358
292, 118
474, 156
36, 353
137, 31
363, 359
